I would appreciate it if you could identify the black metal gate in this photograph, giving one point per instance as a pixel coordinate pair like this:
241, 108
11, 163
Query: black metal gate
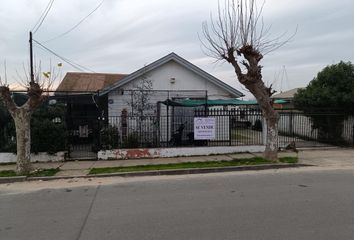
83, 139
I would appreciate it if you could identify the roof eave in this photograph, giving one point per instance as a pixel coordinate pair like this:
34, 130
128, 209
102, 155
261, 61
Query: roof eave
183, 62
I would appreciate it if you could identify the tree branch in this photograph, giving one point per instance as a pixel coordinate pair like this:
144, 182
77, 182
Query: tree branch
5, 95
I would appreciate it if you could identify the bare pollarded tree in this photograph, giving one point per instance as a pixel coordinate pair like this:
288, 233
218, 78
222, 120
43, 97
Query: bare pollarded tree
36, 89
239, 36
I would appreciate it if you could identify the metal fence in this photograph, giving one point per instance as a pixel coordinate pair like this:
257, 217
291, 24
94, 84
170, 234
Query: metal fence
235, 127
82, 136
315, 129
232, 128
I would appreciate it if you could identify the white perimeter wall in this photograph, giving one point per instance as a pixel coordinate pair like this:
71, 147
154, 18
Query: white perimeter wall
40, 157
302, 126
174, 152
348, 128
297, 124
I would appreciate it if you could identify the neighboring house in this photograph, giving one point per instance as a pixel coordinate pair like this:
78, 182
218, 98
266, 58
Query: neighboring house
88, 82
284, 100
80, 90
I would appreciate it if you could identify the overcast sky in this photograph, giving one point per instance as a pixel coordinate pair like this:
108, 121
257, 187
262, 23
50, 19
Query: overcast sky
124, 35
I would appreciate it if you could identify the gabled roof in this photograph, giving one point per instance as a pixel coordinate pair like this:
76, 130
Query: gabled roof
172, 57
286, 95
90, 82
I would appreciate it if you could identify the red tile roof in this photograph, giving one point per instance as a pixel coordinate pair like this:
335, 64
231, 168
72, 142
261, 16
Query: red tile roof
76, 81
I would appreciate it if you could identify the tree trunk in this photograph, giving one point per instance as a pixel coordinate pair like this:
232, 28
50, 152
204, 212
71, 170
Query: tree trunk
252, 80
259, 90
22, 120
271, 150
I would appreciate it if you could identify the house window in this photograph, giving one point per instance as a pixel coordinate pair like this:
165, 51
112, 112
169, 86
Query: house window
120, 91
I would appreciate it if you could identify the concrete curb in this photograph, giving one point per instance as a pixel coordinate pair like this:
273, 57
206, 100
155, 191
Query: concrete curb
199, 170
159, 172
54, 178
12, 179
317, 148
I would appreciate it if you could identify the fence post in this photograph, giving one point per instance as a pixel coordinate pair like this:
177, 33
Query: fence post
99, 126
100, 121
264, 131
69, 124
206, 108
291, 126
230, 127
167, 119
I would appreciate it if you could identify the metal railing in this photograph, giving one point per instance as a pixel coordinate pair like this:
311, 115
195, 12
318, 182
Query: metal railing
315, 129
232, 128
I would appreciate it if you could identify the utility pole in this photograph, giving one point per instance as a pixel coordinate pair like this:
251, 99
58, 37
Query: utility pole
31, 56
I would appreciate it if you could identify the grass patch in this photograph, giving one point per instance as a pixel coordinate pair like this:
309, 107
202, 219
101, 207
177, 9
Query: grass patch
288, 159
45, 172
172, 166
7, 173
38, 173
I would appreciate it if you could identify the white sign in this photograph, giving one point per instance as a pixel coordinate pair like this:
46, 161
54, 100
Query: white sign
204, 128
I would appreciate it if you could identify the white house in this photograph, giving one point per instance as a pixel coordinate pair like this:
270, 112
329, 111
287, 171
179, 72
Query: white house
111, 97
174, 78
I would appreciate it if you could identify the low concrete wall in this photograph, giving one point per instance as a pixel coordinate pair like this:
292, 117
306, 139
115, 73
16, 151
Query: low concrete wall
174, 152
40, 157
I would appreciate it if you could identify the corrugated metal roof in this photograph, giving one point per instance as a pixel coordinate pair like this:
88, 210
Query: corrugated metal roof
76, 81
286, 95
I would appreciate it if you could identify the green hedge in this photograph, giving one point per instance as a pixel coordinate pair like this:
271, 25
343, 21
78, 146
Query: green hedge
46, 134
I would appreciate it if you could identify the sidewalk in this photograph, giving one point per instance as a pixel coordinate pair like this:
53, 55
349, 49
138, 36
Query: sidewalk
338, 157
82, 167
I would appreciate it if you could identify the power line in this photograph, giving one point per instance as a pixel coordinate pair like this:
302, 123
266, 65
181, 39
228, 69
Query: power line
42, 17
71, 63
76, 25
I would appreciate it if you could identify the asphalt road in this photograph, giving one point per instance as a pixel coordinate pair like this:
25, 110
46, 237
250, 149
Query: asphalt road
284, 204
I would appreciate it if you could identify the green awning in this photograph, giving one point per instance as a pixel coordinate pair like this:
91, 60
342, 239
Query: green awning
281, 101
217, 102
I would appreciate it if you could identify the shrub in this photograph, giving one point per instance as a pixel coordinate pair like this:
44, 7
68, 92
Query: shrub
330, 92
109, 138
132, 141
48, 136
7, 131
